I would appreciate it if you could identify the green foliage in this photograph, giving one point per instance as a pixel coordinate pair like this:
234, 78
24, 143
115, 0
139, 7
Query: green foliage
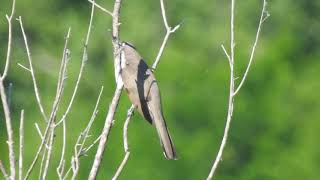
275, 124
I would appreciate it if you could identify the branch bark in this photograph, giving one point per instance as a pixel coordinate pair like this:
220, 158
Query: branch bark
113, 106
232, 90
21, 145
4, 99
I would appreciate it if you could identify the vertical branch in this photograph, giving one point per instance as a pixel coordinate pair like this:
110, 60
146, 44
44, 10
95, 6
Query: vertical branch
60, 168
47, 129
83, 63
33, 76
21, 145
4, 99
9, 130
105, 134
9, 48
60, 86
232, 91
231, 94
115, 100
125, 143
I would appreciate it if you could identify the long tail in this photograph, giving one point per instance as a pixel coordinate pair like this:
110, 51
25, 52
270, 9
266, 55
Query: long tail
165, 139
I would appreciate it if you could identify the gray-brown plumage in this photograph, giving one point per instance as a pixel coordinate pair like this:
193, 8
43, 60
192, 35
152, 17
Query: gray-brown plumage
143, 91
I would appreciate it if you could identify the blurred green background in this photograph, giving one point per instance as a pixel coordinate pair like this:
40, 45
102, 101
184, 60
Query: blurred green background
276, 116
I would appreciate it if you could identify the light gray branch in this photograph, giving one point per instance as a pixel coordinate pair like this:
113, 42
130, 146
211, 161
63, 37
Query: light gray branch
115, 100
4, 98
60, 87
21, 145
9, 47
50, 124
264, 15
30, 69
125, 143
83, 63
232, 91
79, 146
100, 7
166, 37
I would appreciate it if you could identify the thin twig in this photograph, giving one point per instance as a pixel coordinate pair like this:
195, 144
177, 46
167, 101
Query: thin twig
21, 145
100, 7
125, 143
83, 63
262, 19
84, 152
3, 171
30, 69
23, 67
52, 115
232, 91
9, 130
120, 168
79, 146
60, 168
105, 134
115, 100
166, 37
9, 48
4, 99
231, 97
56, 103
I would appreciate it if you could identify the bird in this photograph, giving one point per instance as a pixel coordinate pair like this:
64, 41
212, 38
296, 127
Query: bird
142, 88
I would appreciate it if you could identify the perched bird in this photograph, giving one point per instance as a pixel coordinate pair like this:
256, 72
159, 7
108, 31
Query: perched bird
143, 92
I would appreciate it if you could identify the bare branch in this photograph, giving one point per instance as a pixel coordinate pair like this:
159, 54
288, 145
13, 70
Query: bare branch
8, 58
83, 137
9, 130
60, 168
125, 143
166, 37
164, 17
226, 53
38, 130
232, 91
100, 7
21, 145
115, 100
56, 103
83, 63
50, 124
3, 170
120, 168
84, 152
231, 97
4, 99
30, 69
23, 67
105, 134
264, 15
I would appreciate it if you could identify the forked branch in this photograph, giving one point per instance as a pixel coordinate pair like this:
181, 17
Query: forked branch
232, 90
